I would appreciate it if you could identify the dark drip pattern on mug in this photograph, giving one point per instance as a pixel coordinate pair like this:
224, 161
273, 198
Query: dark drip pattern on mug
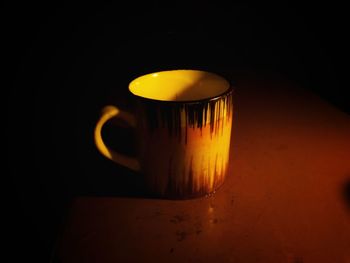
189, 115
194, 138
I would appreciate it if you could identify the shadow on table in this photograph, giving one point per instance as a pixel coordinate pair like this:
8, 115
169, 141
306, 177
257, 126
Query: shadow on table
346, 192
104, 178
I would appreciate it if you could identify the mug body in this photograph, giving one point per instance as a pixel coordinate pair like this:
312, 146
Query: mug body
184, 120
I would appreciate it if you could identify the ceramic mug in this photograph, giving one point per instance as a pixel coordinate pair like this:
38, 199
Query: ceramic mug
183, 126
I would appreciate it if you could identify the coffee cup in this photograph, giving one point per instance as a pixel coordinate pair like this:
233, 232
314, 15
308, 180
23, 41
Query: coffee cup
183, 121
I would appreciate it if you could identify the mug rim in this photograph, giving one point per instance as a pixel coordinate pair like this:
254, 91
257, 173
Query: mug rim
227, 92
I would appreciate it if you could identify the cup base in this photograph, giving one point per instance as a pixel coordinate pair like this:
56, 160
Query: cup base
188, 196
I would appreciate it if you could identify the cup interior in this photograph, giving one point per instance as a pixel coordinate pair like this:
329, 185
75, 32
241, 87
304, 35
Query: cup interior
179, 85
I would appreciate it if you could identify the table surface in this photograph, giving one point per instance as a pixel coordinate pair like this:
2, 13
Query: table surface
283, 200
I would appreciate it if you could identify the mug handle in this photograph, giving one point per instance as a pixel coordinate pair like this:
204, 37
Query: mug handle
109, 112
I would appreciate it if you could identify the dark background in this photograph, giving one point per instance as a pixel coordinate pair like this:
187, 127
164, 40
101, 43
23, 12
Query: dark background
65, 61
